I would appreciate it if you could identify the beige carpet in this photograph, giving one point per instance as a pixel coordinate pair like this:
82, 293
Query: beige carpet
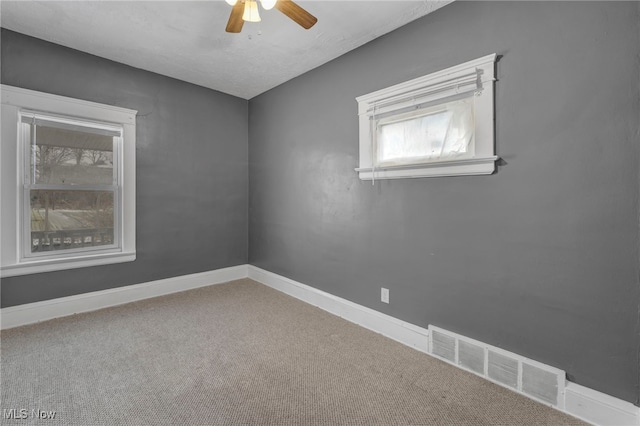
238, 354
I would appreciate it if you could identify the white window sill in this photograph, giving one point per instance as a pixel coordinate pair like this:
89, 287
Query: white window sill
49, 265
473, 166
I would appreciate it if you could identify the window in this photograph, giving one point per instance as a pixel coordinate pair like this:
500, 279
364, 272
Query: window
68, 183
437, 125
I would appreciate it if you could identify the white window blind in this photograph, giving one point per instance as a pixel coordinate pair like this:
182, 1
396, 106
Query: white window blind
428, 134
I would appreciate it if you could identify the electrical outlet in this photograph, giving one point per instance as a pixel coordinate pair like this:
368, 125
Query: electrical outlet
384, 295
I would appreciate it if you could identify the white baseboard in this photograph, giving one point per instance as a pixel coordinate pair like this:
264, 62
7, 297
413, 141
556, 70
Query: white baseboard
30, 313
581, 402
599, 408
401, 331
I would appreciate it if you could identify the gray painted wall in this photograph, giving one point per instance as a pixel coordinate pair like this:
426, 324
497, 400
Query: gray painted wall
540, 258
192, 180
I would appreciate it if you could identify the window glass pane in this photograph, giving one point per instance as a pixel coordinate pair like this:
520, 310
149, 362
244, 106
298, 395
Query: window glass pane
71, 219
71, 156
427, 134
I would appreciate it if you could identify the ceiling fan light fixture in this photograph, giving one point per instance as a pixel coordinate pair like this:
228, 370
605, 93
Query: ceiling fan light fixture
247, 11
251, 11
231, 2
268, 4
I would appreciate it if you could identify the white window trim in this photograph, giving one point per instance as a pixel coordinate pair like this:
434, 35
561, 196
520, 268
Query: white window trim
474, 78
16, 99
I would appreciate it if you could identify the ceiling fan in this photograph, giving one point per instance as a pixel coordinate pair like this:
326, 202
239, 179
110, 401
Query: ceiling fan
247, 10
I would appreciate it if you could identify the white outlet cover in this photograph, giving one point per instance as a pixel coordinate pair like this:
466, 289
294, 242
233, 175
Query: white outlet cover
384, 295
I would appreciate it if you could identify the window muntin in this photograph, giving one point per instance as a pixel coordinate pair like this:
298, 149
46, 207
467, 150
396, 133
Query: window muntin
439, 132
72, 189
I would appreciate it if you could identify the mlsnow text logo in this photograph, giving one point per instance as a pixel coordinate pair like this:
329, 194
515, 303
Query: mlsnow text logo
23, 413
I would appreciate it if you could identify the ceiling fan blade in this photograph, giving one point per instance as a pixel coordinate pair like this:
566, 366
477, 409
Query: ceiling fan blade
235, 19
295, 12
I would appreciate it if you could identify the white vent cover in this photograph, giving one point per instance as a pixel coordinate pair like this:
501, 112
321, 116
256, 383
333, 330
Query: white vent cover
540, 383
443, 345
503, 369
471, 356
531, 378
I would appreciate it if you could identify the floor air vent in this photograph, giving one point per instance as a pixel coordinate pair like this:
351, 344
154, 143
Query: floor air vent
540, 383
471, 356
443, 345
531, 378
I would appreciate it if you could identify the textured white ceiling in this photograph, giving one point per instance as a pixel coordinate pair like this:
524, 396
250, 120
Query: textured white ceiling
187, 39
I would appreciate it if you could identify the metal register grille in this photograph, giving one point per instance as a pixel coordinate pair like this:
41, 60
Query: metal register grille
531, 378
